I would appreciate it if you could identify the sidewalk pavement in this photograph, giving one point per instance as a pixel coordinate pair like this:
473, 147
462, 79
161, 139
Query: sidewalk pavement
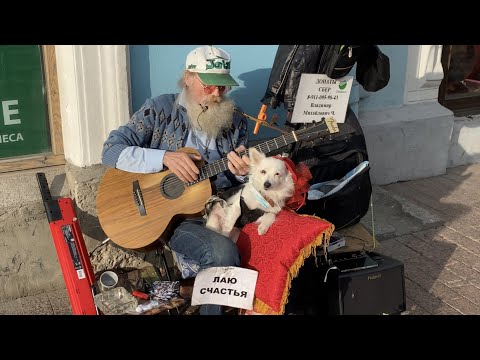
430, 224
442, 265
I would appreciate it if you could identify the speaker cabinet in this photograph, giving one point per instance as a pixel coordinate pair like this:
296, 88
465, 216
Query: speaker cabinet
374, 291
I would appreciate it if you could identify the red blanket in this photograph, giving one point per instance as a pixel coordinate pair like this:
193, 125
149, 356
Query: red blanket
279, 254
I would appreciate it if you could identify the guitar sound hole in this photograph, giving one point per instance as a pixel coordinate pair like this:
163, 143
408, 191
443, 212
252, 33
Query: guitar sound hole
172, 187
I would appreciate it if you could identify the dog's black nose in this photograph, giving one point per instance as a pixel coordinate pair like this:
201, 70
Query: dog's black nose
266, 185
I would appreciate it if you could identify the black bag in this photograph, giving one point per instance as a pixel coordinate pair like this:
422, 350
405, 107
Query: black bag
331, 158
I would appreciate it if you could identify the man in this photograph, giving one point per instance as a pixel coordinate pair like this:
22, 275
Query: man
200, 116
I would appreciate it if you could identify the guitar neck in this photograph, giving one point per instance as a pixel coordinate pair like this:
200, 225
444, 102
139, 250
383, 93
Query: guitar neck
219, 166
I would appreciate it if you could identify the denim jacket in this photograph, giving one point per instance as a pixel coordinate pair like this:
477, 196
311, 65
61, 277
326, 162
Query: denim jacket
161, 123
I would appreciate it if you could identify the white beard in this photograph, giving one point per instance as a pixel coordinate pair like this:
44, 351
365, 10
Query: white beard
212, 117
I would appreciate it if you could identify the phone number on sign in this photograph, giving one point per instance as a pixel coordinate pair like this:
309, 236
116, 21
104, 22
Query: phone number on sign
322, 97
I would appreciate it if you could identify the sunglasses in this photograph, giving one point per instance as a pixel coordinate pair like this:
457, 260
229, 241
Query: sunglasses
208, 89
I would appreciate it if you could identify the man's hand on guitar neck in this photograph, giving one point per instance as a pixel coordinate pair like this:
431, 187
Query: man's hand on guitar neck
238, 165
182, 165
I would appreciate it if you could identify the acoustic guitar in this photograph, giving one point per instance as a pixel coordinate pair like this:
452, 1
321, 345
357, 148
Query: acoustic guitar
137, 209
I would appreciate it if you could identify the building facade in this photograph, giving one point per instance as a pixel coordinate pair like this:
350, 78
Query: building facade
60, 102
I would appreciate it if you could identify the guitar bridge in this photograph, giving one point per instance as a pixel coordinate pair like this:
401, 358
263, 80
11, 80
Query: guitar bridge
138, 198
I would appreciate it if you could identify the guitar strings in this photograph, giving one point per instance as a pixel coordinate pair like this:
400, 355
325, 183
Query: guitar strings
221, 164
172, 183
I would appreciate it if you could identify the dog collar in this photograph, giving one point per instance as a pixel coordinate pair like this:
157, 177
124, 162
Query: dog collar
264, 201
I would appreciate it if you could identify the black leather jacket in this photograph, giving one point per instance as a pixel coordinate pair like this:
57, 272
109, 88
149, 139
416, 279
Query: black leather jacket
291, 61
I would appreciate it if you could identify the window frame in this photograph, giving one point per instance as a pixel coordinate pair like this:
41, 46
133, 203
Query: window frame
424, 73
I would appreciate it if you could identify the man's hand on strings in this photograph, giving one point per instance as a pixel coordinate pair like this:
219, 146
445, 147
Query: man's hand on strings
236, 164
182, 165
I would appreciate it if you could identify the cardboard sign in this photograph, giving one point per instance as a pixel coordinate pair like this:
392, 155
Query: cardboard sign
230, 286
319, 97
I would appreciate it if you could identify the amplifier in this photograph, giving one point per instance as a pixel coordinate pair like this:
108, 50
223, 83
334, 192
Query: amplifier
376, 290
371, 284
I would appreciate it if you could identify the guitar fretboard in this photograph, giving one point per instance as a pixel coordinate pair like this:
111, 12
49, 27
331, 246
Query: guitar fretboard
219, 166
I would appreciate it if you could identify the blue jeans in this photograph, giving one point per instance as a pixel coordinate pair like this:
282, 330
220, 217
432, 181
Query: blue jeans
192, 239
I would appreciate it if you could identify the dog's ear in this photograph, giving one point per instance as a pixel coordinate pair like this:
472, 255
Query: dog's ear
255, 156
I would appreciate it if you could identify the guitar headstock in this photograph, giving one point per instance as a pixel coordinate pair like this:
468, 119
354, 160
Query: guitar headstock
314, 130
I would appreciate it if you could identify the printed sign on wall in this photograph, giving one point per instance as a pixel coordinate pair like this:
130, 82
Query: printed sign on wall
23, 110
319, 97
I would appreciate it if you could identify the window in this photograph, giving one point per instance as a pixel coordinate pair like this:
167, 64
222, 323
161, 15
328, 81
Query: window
460, 88
30, 123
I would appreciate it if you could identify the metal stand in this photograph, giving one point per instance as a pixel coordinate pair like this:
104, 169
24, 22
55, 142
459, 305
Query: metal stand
160, 251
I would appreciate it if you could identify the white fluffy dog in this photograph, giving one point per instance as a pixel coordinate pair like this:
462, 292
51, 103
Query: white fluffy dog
269, 186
